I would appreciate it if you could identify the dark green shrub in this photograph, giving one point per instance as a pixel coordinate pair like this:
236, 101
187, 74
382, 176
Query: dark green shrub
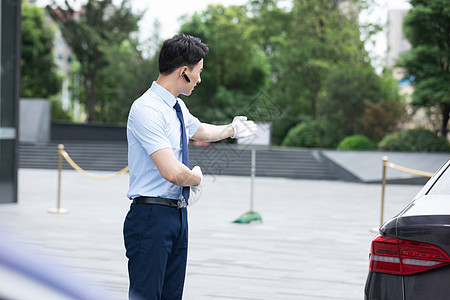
309, 134
416, 139
356, 142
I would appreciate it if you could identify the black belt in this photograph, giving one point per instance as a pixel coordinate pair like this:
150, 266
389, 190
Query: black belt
161, 201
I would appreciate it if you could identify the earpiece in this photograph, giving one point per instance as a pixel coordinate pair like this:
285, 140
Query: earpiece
186, 77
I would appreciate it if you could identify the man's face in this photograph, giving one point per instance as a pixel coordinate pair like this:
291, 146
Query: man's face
194, 76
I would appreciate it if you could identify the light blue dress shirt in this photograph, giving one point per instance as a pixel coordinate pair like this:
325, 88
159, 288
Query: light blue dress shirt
153, 125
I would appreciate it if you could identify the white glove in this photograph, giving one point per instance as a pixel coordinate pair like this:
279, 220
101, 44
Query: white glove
243, 128
196, 190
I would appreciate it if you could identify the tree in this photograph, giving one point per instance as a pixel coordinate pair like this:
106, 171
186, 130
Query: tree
427, 28
236, 69
307, 42
126, 76
90, 33
386, 111
320, 72
358, 101
272, 31
323, 34
38, 75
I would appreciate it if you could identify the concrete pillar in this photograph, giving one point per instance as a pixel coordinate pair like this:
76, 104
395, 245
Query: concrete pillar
9, 97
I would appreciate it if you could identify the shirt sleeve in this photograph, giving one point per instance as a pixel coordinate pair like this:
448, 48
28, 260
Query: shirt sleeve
148, 127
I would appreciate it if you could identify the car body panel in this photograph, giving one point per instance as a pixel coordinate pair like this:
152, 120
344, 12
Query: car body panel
431, 284
383, 287
416, 287
429, 229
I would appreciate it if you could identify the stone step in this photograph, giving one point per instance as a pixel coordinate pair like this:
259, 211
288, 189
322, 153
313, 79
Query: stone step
216, 159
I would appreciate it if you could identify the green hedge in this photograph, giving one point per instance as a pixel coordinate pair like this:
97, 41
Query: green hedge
306, 134
356, 142
416, 139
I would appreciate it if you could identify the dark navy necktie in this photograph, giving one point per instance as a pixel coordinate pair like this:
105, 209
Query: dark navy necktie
184, 145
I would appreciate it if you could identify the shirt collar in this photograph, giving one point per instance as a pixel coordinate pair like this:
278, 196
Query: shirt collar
163, 94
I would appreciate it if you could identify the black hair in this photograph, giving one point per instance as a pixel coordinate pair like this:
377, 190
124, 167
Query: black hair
180, 50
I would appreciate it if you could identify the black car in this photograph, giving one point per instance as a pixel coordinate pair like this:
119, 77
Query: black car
410, 258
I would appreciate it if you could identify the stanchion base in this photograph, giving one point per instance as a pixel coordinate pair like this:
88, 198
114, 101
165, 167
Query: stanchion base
58, 211
375, 229
249, 217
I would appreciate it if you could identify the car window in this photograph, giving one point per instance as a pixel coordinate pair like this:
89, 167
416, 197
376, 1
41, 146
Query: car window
442, 185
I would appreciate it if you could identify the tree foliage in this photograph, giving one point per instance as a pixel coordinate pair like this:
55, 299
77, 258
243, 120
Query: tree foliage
126, 76
38, 70
322, 35
91, 33
288, 66
320, 68
358, 101
427, 28
235, 69
309, 62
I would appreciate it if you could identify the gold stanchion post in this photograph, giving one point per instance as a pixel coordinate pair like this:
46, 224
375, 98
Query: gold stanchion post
58, 209
383, 188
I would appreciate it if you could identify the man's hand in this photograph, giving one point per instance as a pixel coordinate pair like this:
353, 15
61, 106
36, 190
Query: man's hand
196, 190
243, 128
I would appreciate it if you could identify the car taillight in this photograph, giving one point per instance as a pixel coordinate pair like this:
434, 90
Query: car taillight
404, 257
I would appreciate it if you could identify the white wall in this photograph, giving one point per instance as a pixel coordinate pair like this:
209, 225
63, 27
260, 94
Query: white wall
34, 120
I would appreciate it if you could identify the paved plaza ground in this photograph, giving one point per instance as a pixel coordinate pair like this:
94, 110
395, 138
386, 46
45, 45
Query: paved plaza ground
313, 242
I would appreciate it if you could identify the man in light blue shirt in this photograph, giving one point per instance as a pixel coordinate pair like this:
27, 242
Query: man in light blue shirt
161, 182
155, 110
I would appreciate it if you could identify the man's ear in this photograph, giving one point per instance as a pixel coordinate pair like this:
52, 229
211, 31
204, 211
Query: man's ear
182, 70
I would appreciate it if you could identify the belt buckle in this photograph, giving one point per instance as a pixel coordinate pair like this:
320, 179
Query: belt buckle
181, 204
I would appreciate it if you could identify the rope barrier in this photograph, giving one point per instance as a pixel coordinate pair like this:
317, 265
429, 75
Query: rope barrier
383, 183
63, 154
408, 170
97, 177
